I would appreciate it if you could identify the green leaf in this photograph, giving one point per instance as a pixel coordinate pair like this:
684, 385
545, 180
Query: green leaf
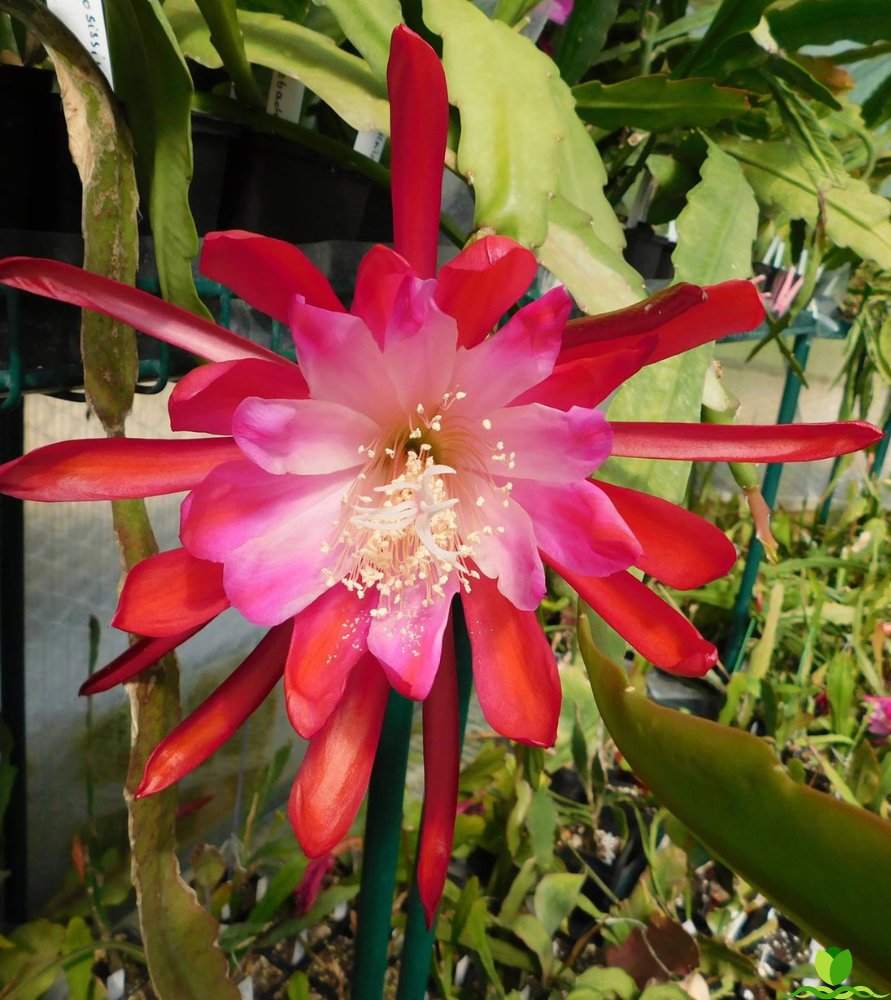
368, 24
674, 180
719, 224
498, 80
855, 217
222, 19
298, 987
521, 141
607, 983
581, 175
864, 774
665, 991
877, 107
841, 683
732, 18
656, 103
516, 895
343, 81
280, 887
208, 866
536, 937
816, 152
822, 22
541, 821
475, 930
579, 747
799, 78
556, 896
79, 975
513, 11
596, 276
716, 230
583, 36
155, 86
517, 816
827, 865
36, 946
535, 170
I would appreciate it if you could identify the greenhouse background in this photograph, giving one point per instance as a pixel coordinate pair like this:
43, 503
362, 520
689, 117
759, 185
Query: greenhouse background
711, 818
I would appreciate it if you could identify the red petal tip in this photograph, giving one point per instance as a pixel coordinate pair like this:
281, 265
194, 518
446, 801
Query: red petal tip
696, 664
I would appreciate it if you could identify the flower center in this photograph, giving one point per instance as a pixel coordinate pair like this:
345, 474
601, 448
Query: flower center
410, 538
424, 523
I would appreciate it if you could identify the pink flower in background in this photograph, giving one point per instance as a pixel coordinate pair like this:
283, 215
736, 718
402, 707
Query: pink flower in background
559, 10
880, 716
318, 869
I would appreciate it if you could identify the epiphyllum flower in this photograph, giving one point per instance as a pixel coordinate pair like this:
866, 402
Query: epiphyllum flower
410, 459
880, 715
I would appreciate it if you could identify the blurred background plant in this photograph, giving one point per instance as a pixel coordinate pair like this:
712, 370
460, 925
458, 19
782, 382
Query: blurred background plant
717, 140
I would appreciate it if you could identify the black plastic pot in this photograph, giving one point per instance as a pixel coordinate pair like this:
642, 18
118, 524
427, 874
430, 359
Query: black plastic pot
649, 254
241, 180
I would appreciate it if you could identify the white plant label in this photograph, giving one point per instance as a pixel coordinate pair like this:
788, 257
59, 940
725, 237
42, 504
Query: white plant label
370, 144
285, 97
85, 19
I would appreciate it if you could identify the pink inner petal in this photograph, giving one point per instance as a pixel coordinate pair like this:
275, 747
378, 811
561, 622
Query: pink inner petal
421, 341
408, 645
577, 524
302, 436
517, 357
342, 363
506, 549
546, 444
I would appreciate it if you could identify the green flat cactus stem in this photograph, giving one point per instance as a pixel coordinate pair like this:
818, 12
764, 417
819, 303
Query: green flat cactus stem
826, 864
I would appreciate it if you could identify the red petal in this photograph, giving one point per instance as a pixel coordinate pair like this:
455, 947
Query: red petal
479, 285
679, 548
442, 763
419, 122
588, 381
661, 634
136, 658
380, 277
513, 667
266, 273
217, 718
113, 468
682, 317
205, 399
138, 309
741, 442
333, 776
329, 640
170, 592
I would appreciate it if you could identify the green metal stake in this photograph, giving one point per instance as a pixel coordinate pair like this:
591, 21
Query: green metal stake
770, 488
383, 829
417, 952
